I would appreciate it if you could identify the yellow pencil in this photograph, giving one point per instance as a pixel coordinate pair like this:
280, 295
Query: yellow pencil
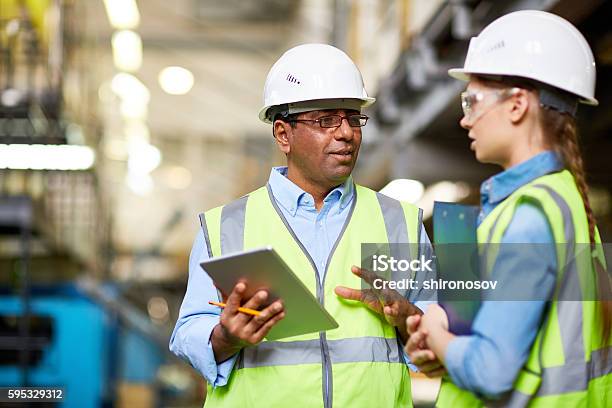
240, 309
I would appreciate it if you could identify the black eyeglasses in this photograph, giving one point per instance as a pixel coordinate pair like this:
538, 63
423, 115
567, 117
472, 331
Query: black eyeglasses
333, 121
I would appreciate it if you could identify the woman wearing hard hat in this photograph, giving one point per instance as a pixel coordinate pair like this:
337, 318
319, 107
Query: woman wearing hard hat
527, 71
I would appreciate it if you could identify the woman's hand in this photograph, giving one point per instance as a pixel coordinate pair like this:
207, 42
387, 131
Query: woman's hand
416, 348
434, 319
434, 325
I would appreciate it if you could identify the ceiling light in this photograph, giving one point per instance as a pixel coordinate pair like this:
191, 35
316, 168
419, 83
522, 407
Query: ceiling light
46, 157
11, 97
133, 110
175, 177
143, 158
105, 93
136, 131
122, 14
407, 190
128, 87
158, 309
447, 191
12, 27
140, 184
116, 149
176, 80
127, 50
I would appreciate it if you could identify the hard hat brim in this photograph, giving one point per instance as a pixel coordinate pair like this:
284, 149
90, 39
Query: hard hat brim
365, 102
459, 73
463, 75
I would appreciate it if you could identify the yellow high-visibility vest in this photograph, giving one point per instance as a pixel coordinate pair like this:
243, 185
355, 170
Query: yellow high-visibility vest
566, 366
359, 364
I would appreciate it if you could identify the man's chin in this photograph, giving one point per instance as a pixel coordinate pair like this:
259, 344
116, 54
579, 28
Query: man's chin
340, 175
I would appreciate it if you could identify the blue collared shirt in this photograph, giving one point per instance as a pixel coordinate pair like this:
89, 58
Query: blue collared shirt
488, 361
317, 231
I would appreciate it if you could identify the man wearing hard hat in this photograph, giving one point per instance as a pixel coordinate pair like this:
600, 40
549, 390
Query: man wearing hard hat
316, 218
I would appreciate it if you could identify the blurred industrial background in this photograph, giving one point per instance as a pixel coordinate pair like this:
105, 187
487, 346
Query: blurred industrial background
121, 120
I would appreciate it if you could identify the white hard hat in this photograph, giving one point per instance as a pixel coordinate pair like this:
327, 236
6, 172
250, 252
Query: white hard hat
313, 72
535, 45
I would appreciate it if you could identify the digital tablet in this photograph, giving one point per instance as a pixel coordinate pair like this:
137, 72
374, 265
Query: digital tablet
263, 268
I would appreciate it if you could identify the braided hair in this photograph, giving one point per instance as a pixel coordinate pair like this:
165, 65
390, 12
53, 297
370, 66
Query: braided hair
562, 134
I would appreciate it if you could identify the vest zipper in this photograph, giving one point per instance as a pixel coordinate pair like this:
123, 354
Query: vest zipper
326, 360
323, 335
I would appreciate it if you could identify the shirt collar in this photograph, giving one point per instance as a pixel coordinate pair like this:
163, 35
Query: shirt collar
290, 196
501, 185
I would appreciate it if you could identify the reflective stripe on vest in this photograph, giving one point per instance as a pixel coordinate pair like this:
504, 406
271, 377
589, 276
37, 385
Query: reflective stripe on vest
572, 377
569, 313
350, 350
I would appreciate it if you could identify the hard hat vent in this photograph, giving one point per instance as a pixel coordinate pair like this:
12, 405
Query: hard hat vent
292, 79
497, 46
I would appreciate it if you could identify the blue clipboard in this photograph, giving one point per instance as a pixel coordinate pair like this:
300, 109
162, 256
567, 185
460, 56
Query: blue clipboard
456, 247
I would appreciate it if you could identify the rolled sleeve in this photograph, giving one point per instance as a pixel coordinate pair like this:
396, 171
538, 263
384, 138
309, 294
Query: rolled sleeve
192, 343
453, 360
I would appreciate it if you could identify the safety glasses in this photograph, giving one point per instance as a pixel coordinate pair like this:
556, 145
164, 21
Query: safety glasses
469, 100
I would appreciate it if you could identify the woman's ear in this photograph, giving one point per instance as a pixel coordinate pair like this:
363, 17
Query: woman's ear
281, 131
519, 105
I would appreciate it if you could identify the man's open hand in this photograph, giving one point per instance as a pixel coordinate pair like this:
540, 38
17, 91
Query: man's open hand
387, 302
